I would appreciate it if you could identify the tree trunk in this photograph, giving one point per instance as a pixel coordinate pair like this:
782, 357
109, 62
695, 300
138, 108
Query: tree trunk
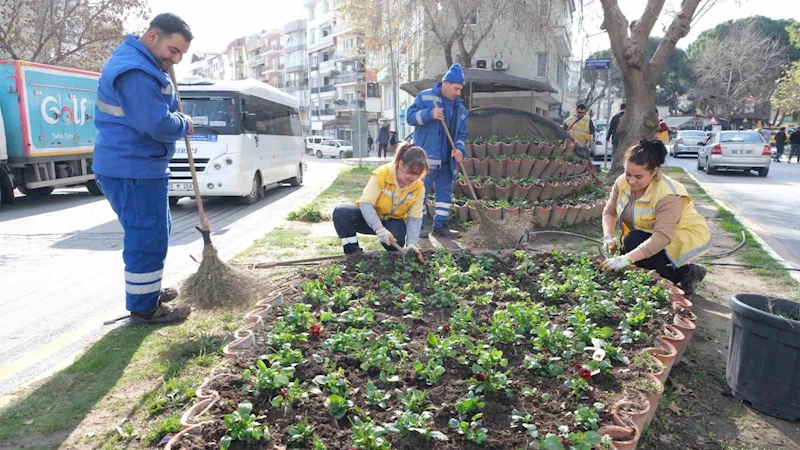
639, 121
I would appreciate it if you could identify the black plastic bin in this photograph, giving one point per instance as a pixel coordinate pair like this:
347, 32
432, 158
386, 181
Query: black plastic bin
764, 355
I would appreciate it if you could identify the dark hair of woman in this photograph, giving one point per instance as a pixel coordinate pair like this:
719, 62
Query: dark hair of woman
650, 153
413, 158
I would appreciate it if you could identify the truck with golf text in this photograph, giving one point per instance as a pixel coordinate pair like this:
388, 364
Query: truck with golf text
47, 131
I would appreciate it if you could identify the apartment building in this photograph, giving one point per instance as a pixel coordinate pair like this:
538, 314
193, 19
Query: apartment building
238, 68
295, 78
339, 84
272, 73
213, 66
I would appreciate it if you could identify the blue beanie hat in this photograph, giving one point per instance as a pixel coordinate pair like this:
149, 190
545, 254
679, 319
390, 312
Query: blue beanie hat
454, 75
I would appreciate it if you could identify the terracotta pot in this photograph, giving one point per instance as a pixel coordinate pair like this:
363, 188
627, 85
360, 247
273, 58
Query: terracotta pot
569, 148
680, 302
244, 339
507, 148
468, 152
625, 438
675, 337
666, 355
599, 206
563, 168
512, 168
481, 168
684, 325
503, 192
547, 149
633, 408
463, 213
525, 166
431, 208
521, 148
572, 214
497, 169
557, 150
459, 187
547, 191
559, 190
535, 149
493, 150
539, 166
653, 399
479, 150
510, 213
495, 214
583, 215
663, 373
557, 216
527, 213
520, 190
469, 166
534, 193
575, 169
473, 214
484, 191
541, 215
552, 166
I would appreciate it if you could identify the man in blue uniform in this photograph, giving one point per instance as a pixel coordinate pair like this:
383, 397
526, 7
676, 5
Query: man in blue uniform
138, 125
442, 102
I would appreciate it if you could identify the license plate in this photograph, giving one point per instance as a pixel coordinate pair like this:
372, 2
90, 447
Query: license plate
181, 187
741, 152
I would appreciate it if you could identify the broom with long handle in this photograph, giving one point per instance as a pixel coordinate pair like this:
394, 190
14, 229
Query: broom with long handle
215, 283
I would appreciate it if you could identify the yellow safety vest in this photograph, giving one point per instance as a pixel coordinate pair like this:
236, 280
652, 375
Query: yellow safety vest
580, 130
662, 136
691, 239
393, 201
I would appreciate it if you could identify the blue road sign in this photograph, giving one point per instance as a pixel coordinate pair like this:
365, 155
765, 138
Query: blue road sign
598, 64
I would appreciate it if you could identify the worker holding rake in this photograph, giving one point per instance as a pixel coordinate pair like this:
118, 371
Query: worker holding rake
138, 123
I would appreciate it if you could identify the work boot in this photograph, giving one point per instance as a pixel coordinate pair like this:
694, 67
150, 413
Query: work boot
424, 233
162, 314
446, 233
167, 295
694, 276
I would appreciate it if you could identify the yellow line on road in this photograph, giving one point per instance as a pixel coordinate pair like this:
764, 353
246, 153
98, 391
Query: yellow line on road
47, 350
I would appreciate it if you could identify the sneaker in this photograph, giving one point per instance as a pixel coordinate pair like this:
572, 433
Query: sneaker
446, 233
424, 233
162, 314
692, 278
167, 295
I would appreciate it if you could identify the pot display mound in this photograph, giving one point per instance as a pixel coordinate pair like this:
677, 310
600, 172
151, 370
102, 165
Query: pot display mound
492, 347
764, 354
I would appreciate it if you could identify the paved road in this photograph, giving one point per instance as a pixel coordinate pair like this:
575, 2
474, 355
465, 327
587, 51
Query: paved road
770, 206
61, 270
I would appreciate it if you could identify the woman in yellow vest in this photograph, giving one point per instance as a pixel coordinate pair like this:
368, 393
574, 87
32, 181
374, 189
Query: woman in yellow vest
391, 205
661, 230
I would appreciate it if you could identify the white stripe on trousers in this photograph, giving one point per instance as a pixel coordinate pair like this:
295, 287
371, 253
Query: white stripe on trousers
139, 289
350, 240
149, 277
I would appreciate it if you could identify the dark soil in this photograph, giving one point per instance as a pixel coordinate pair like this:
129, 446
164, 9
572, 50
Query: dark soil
451, 387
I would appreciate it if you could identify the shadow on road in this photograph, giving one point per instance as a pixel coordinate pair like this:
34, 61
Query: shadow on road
26, 206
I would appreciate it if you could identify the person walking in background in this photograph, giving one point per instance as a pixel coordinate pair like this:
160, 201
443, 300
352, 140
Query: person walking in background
392, 141
794, 145
369, 143
383, 141
138, 123
612, 134
780, 143
433, 106
580, 126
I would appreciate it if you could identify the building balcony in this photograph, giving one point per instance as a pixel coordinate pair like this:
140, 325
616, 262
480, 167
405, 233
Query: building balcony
374, 105
296, 67
323, 43
343, 27
350, 53
272, 50
354, 105
385, 74
293, 86
272, 70
323, 89
295, 46
295, 25
327, 66
321, 114
349, 78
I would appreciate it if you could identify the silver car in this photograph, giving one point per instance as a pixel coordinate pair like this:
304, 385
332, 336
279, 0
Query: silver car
735, 150
687, 142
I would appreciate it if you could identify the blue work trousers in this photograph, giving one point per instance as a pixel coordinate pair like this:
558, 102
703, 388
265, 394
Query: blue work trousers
441, 181
143, 210
348, 220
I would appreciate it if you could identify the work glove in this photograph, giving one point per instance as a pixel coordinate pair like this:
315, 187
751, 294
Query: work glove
609, 245
617, 263
412, 251
385, 236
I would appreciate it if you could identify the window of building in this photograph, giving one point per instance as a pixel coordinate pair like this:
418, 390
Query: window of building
312, 37
373, 90
349, 97
312, 13
474, 19
541, 65
326, 81
325, 7
560, 73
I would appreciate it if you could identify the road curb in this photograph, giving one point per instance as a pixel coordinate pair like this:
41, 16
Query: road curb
752, 228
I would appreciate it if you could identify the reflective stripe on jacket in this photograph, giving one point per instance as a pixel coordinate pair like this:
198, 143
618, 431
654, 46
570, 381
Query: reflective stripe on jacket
394, 202
691, 238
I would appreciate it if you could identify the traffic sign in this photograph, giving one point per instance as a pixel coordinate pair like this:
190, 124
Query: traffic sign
598, 64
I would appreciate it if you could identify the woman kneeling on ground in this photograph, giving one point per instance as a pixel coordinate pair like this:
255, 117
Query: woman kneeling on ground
391, 205
661, 230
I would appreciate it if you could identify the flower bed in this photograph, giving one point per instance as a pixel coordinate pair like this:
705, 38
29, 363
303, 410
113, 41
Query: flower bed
469, 351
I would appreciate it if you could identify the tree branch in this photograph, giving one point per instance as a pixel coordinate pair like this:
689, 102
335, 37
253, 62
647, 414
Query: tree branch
678, 29
640, 29
616, 25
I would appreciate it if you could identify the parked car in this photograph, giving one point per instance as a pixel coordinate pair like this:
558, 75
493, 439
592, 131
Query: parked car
598, 145
735, 150
333, 148
687, 142
312, 142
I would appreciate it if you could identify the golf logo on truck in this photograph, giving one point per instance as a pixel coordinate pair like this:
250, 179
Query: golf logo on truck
53, 111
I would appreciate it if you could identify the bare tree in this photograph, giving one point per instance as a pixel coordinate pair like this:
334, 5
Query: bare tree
737, 73
74, 33
640, 75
